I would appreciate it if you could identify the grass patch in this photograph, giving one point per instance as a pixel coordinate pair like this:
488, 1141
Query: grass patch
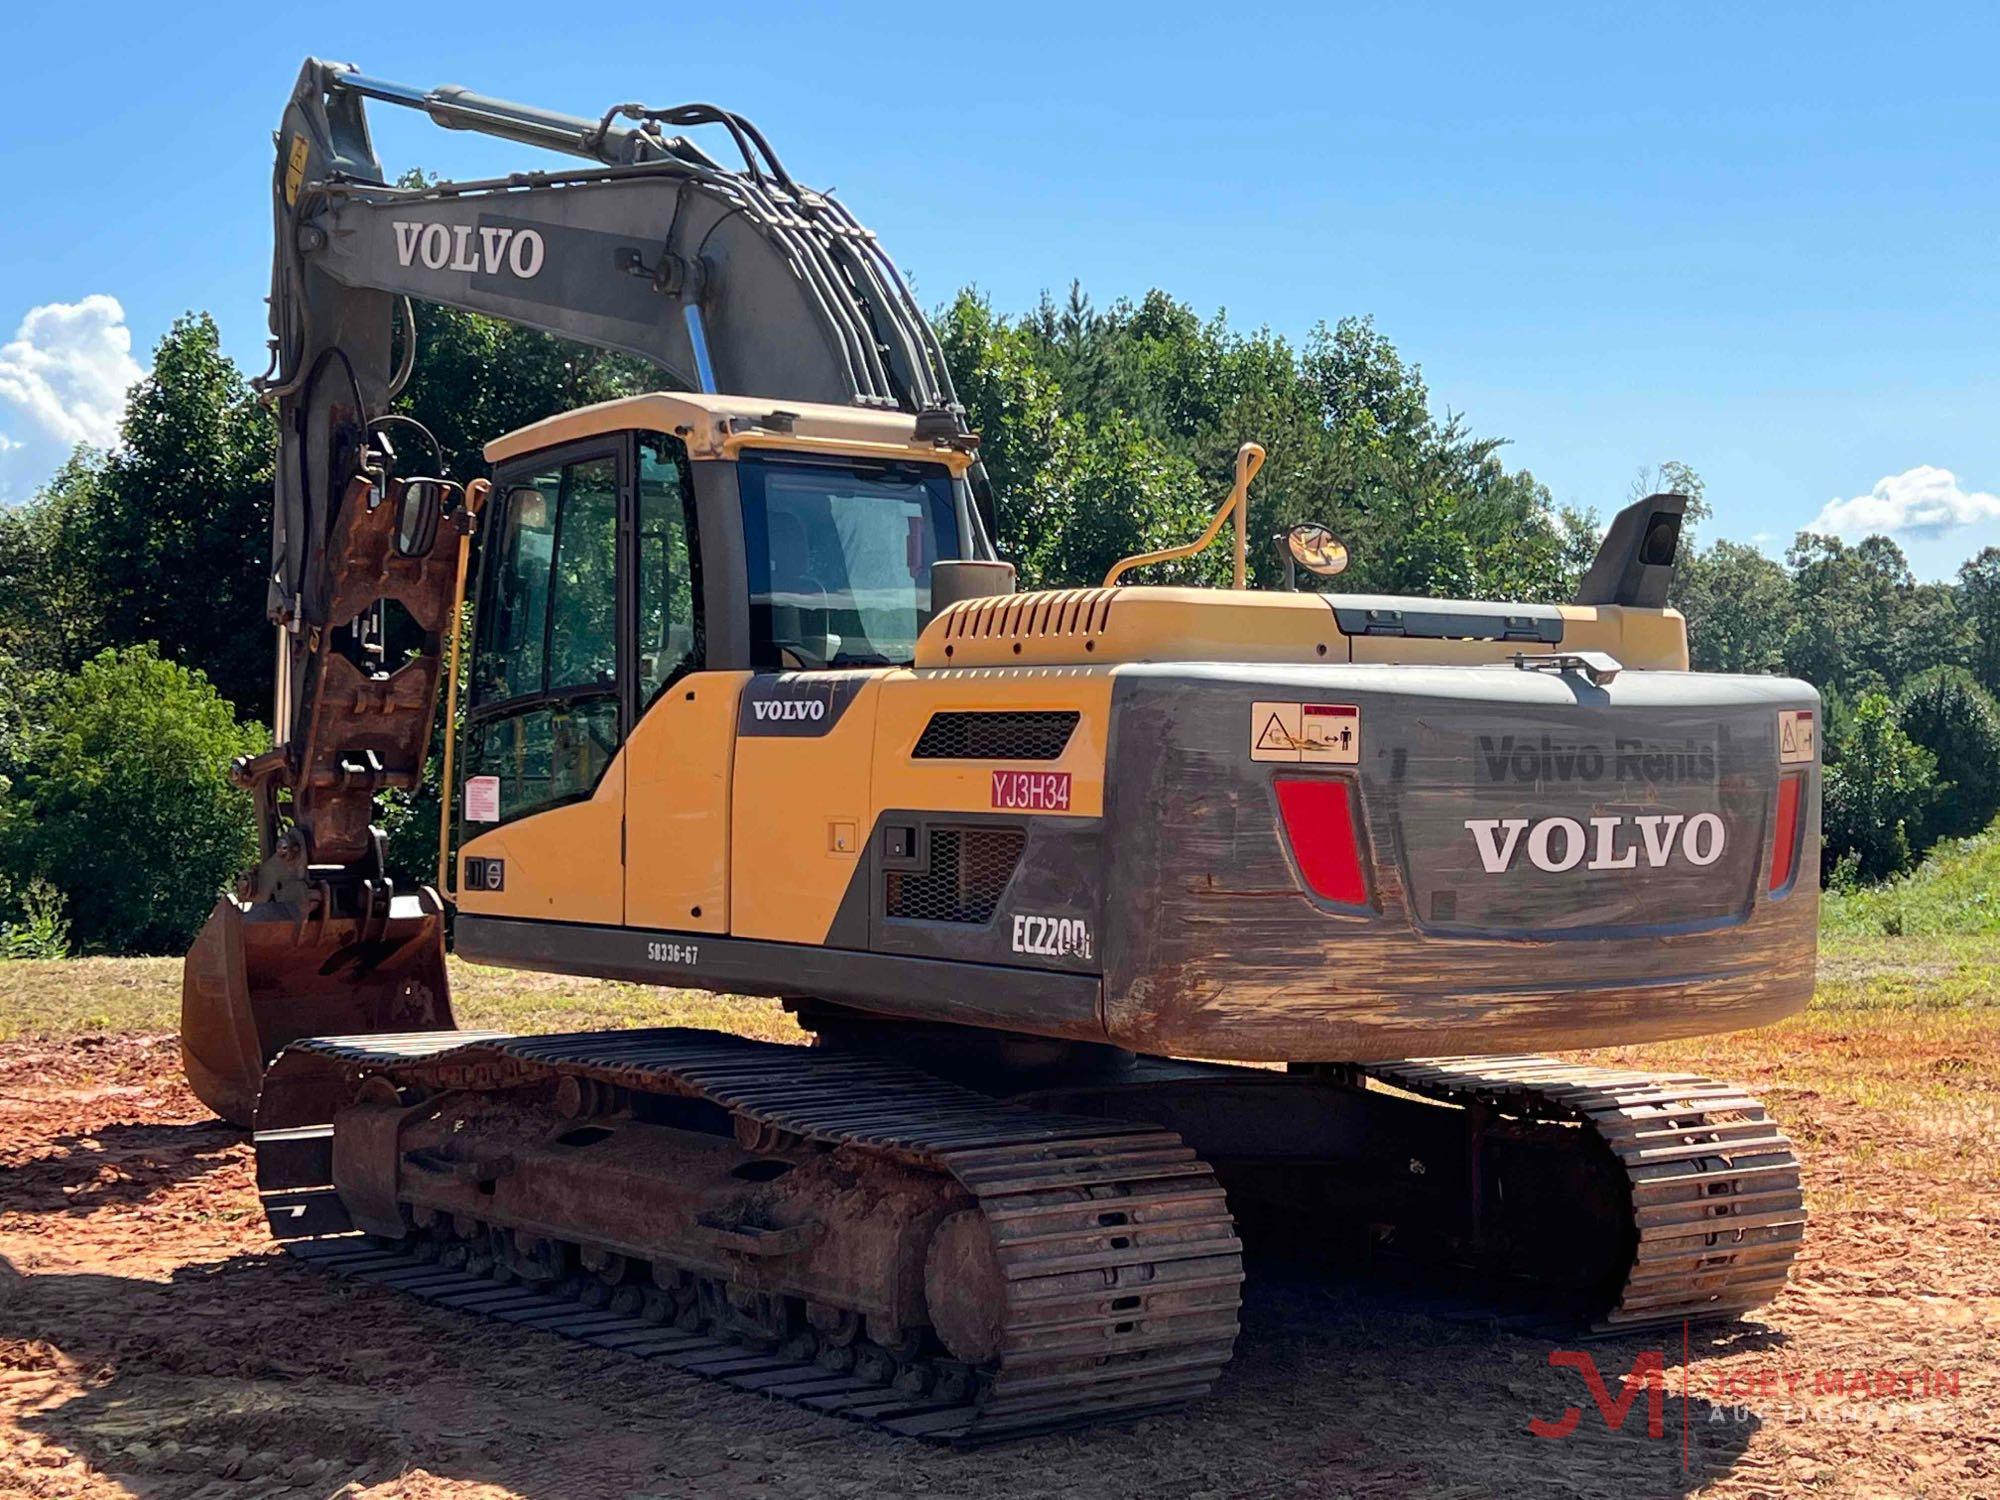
521, 1002
1871, 971
1859, 974
75, 997
1955, 890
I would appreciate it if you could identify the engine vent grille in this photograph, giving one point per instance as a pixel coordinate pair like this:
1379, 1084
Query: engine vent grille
1045, 612
969, 868
996, 736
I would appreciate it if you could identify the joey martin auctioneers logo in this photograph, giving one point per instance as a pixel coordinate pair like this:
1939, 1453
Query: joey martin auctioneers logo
1888, 1396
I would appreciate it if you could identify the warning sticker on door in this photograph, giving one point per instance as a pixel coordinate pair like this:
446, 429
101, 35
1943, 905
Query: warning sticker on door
482, 799
1306, 733
1797, 736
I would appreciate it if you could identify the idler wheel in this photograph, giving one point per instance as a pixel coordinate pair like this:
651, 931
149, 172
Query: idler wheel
964, 1290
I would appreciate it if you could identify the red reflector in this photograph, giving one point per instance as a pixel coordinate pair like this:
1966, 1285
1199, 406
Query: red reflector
1326, 837
1785, 845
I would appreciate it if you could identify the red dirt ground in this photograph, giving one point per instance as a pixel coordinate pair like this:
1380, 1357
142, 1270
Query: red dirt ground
153, 1342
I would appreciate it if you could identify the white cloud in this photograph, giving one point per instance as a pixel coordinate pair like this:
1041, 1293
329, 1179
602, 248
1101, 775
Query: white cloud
1923, 502
68, 368
63, 379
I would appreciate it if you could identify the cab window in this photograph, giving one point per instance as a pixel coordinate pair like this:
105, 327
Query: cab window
543, 712
839, 559
514, 615
667, 579
583, 584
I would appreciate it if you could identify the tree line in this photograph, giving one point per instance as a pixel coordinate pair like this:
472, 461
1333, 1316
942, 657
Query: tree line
1907, 671
134, 661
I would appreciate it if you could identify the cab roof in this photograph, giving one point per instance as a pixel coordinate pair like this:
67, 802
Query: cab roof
719, 427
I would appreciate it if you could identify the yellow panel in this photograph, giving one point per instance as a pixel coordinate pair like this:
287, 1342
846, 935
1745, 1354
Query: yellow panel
295, 170
678, 765
562, 865
803, 806
791, 801
1641, 639
1136, 623
908, 699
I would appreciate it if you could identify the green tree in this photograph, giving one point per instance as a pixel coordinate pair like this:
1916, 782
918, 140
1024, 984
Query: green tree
24, 693
1948, 713
1979, 597
179, 520
50, 613
122, 803
1145, 404
1013, 403
1739, 608
1879, 786
1933, 631
163, 539
477, 378
1074, 495
1849, 608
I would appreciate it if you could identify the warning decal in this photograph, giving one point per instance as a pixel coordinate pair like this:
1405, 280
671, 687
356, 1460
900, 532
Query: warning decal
1798, 738
1274, 731
295, 170
482, 799
1306, 733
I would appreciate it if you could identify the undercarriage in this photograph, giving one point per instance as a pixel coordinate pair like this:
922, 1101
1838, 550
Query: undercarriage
949, 1255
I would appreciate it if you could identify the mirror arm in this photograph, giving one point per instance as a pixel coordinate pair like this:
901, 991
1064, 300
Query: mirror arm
1281, 544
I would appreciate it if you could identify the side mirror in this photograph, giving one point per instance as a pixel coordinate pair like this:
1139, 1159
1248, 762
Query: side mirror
419, 506
1311, 546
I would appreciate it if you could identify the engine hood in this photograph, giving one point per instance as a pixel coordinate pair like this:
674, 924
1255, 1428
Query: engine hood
1078, 627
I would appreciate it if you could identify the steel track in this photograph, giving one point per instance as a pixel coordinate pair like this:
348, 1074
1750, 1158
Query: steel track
1718, 1212
1121, 1263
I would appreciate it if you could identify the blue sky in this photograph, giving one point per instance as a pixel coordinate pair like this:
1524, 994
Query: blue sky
1761, 239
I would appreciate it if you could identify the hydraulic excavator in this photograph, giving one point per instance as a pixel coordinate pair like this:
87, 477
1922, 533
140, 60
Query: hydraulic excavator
1130, 923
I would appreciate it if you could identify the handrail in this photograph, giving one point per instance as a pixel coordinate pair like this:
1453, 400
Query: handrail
1249, 459
475, 500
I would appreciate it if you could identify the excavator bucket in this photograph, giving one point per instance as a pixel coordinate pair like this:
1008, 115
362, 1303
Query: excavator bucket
258, 978
315, 941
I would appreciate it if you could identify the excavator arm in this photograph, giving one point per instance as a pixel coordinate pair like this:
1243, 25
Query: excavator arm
731, 279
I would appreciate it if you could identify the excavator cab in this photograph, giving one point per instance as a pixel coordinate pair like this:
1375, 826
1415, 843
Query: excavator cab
640, 559
645, 560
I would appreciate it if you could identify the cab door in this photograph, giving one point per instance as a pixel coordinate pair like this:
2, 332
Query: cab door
679, 755
542, 797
